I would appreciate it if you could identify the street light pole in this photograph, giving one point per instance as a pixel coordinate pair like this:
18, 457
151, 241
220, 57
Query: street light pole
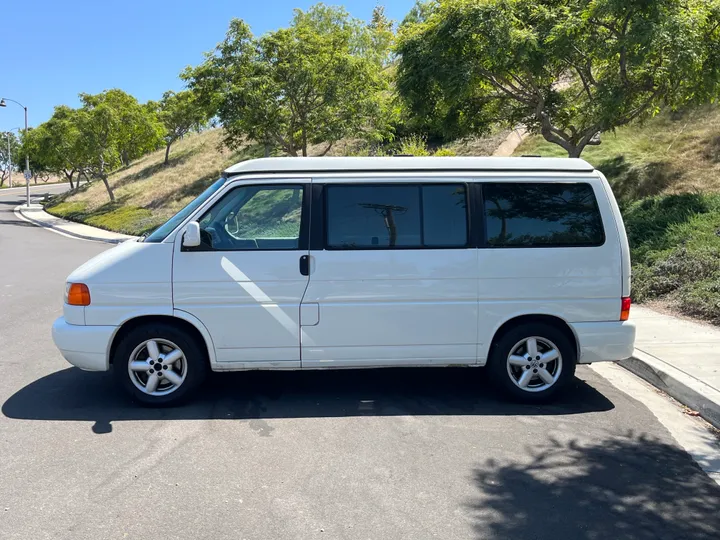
27, 163
27, 156
9, 161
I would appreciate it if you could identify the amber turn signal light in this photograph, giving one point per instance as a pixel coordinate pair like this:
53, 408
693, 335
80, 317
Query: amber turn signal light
625, 308
77, 294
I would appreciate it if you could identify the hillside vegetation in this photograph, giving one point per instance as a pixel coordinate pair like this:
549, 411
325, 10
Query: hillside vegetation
666, 176
147, 192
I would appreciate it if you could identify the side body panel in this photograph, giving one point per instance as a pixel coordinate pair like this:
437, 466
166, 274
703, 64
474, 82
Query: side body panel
130, 280
576, 284
249, 300
389, 307
385, 308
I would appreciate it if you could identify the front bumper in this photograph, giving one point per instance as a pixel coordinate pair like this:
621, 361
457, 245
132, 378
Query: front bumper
604, 341
86, 347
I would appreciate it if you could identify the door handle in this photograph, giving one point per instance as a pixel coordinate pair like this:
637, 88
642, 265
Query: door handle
305, 265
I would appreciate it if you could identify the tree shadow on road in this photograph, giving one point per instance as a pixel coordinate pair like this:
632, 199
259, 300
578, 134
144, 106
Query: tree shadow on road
623, 488
75, 395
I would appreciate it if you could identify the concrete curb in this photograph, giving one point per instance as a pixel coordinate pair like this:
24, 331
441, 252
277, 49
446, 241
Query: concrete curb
59, 225
686, 389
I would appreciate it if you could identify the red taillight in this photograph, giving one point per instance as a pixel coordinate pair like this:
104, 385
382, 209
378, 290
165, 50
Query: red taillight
625, 308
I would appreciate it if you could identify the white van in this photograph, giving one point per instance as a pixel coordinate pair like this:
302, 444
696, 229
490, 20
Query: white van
518, 264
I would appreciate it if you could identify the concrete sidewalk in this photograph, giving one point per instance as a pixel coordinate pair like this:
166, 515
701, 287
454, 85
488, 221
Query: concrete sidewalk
36, 215
680, 357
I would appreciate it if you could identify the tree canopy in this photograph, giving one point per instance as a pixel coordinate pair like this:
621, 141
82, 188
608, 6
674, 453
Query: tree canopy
315, 82
568, 70
180, 113
138, 130
55, 144
108, 131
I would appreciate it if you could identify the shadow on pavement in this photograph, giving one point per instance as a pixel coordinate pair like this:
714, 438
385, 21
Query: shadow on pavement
16, 222
624, 488
72, 394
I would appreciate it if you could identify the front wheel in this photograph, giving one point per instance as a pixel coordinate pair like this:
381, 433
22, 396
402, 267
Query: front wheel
158, 364
532, 362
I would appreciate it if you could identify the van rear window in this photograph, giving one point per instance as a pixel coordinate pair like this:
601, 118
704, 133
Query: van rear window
542, 215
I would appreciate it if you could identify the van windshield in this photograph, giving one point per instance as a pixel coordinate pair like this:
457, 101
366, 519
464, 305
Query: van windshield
159, 234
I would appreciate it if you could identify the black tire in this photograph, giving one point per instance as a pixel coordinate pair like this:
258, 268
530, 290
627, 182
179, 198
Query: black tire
498, 361
194, 356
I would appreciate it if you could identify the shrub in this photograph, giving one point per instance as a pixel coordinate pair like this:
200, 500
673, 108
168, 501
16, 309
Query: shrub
415, 145
701, 299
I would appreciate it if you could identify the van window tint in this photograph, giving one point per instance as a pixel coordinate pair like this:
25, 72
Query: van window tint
400, 216
444, 215
542, 215
374, 216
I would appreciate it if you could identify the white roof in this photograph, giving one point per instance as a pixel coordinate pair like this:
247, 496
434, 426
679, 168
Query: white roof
373, 164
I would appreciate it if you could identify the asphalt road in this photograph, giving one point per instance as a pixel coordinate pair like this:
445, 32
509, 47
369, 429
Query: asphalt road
391, 454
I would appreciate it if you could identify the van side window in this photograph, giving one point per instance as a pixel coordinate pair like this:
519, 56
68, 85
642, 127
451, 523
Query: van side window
396, 216
445, 221
520, 214
254, 218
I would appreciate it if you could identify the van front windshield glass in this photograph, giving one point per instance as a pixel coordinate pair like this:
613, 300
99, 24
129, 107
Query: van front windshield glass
159, 234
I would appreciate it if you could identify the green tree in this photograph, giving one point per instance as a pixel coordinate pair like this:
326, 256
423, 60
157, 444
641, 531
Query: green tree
37, 161
100, 141
8, 161
381, 34
139, 130
180, 113
56, 144
567, 69
314, 82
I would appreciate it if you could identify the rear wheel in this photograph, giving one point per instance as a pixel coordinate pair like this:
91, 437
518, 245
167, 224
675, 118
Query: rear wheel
158, 364
532, 362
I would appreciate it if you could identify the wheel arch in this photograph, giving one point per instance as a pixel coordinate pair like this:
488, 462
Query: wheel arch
518, 320
182, 319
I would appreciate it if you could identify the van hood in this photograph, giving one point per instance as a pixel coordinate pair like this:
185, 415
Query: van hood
129, 262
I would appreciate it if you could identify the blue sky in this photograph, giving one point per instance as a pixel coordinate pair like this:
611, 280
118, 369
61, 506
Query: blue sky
52, 50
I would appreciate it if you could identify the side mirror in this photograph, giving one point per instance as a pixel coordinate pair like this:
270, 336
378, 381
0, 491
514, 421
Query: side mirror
191, 238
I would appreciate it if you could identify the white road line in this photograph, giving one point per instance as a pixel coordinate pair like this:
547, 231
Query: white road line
40, 226
692, 433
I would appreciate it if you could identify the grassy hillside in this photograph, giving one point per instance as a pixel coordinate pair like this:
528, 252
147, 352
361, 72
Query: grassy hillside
666, 175
147, 192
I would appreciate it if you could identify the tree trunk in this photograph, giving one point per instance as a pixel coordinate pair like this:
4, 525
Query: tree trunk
575, 151
167, 153
69, 176
109, 189
105, 179
304, 143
